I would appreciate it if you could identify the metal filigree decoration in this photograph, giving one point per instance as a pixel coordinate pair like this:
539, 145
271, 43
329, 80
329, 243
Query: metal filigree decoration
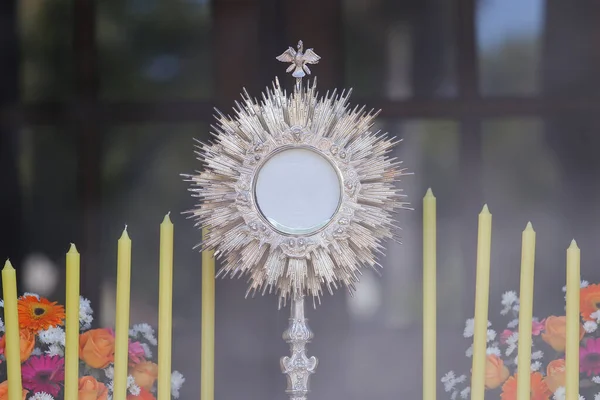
242, 237
298, 367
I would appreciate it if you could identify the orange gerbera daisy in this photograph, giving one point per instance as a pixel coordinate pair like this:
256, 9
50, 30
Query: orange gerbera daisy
589, 301
539, 388
39, 314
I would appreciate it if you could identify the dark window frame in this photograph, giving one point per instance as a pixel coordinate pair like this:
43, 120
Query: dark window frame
86, 117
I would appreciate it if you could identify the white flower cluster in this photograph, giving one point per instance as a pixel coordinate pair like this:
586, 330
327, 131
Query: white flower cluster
54, 338
464, 394
450, 381
109, 372
536, 366
85, 314
512, 342
132, 388
582, 285
491, 337
510, 301
147, 350
41, 396
1, 325
592, 326
145, 331
560, 394
470, 327
177, 381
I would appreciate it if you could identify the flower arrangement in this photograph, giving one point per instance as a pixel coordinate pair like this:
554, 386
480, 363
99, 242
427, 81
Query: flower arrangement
547, 357
43, 348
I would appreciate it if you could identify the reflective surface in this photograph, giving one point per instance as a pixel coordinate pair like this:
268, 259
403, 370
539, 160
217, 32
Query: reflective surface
509, 46
297, 191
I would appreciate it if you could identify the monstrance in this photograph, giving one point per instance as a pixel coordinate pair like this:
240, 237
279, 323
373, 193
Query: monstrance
298, 193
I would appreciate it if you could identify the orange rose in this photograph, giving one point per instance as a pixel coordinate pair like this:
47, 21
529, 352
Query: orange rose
555, 332
4, 391
495, 372
145, 373
97, 348
537, 389
91, 389
26, 343
555, 374
144, 395
589, 301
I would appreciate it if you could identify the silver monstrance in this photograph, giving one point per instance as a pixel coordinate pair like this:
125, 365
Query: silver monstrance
299, 194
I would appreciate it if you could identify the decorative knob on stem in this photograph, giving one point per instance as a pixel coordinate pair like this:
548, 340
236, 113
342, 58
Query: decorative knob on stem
299, 366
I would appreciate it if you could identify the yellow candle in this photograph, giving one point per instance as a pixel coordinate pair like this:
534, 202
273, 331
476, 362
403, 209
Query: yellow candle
207, 347
122, 316
72, 325
482, 293
525, 314
11, 324
429, 297
573, 324
165, 309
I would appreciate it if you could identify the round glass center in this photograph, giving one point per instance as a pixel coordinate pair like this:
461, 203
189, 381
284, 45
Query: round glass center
297, 191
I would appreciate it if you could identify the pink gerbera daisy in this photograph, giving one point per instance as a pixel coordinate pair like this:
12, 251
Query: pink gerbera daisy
44, 374
589, 357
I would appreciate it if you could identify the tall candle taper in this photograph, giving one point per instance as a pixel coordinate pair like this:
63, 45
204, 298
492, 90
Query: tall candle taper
207, 347
429, 297
525, 314
165, 309
573, 324
11, 324
72, 324
482, 294
122, 316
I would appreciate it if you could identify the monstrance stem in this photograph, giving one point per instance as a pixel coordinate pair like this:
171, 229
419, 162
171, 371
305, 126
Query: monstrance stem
299, 366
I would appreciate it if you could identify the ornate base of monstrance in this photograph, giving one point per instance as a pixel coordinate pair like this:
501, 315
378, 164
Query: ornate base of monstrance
299, 367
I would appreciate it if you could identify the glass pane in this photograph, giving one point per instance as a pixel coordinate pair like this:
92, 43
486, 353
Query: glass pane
385, 312
141, 182
430, 149
397, 49
48, 180
154, 50
141, 170
522, 182
45, 33
509, 39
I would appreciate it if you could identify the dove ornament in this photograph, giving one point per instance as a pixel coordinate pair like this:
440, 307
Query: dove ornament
298, 59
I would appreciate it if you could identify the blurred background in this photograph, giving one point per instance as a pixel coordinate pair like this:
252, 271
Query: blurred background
497, 102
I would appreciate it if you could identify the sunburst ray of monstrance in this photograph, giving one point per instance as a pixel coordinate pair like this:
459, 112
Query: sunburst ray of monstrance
298, 194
